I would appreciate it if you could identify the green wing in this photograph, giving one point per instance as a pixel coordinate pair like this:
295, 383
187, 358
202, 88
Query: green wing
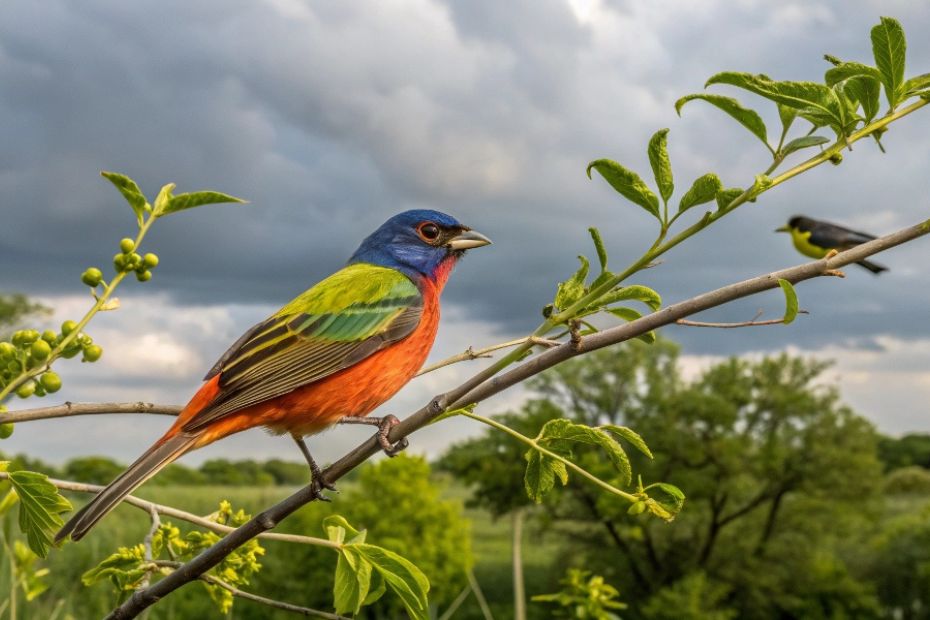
350, 315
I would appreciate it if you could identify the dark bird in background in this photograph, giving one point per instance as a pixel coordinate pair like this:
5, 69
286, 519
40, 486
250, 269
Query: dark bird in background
815, 238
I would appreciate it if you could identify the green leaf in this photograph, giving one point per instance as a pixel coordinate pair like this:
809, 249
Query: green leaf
791, 301
162, 199
541, 472
631, 436
889, 48
629, 314
846, 70
627, 183
802, 143
916, 84
40, 505
726, 196
678, 498
661, 166
572, 289
558, 435
636, 292
866, 91
376, 590
599, 247
814, 102
336, 528
704, 189
182, 202
352, 581
746, 117
124, 569
787, 115
401, 576
130, 191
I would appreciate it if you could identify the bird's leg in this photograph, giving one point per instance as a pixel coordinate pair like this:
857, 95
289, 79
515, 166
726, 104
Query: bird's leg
316, 474
384, 427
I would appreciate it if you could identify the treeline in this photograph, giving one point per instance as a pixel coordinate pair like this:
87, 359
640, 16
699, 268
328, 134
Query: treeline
902, 458
101, 470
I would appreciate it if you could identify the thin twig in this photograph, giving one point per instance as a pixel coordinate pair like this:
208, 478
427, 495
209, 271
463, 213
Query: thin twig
147, 545
482, 386
479, 595
454, 606
175, 513
752, 323
270, 602
472, 354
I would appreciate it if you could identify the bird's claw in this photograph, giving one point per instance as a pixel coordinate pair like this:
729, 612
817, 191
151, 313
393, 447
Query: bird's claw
318, 485
384, 428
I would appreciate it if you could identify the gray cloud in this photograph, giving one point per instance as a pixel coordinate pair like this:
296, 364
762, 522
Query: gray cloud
330, 117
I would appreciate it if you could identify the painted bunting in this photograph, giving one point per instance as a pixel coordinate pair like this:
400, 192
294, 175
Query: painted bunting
331, 355
815, 238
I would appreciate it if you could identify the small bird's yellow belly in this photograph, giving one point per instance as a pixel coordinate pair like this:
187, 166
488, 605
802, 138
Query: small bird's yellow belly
805, 247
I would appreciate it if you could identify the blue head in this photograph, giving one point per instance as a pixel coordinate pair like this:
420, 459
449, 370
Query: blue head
418, 242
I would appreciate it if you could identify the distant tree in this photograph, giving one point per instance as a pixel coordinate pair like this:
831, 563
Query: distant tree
775, 466
911, 449
235, 473
286, 473
15, 307
92, 469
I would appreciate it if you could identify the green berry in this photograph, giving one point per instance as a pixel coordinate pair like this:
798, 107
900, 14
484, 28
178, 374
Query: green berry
92, 353
40, 350
67, 327
7, 349
27, 389
49, 336
50, 382
40, 391
637, 508
144, 276
127, 245
6, 430
24, 337
92, 277
72, 350
119, 262
150, 260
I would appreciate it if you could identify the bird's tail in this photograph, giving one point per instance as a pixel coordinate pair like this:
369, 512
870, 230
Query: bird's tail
166, 450
873, 267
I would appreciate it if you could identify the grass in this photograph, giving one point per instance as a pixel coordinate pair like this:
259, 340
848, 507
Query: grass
126, 526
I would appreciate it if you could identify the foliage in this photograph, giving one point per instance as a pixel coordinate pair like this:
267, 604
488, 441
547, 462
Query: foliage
584, 597
911, 449
693, 597
128, 567
772, 461
92, 469
910, 480
14, 307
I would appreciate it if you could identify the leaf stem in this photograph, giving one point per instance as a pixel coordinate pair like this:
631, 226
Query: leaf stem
535, 445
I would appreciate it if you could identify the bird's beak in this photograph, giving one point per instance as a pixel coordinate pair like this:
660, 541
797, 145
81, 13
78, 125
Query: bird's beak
782, 229
468, 239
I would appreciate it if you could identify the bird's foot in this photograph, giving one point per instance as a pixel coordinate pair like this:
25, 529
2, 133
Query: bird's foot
384, 425
317, 481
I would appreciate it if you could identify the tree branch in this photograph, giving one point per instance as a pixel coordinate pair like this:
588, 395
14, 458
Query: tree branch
69, 409
485, 384
175, 513
270, 602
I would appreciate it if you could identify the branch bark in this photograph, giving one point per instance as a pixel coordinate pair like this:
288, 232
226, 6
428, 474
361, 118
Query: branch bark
486, 384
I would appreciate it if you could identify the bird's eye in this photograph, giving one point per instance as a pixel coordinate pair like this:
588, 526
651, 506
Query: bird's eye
428, 231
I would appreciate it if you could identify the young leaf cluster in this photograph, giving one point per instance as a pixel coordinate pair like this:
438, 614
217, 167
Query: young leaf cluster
364, 572
129, 567
583, 596
589, 298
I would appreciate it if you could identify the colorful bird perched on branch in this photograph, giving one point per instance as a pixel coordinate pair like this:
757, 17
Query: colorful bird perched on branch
815, 238
331, 355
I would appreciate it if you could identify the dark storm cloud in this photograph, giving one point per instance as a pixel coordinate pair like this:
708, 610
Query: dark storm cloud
331, 117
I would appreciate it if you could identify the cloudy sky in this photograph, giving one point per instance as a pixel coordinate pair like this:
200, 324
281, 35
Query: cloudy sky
331, 116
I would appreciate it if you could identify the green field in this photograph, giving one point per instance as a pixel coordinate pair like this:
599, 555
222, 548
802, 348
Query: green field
284, 575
